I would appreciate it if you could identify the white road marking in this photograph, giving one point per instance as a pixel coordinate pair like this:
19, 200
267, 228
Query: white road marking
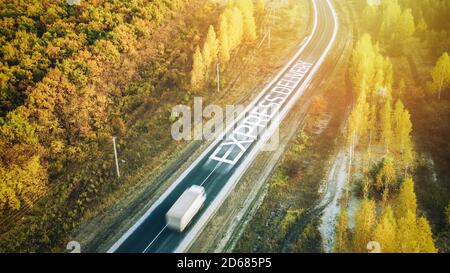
215, 168
288, 83
154, 239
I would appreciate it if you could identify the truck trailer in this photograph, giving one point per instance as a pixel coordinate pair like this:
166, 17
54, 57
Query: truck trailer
185, 208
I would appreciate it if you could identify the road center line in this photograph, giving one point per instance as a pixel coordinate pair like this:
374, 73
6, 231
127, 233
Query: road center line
215, 168
154, 239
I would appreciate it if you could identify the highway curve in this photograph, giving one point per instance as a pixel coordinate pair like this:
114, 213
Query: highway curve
221, 165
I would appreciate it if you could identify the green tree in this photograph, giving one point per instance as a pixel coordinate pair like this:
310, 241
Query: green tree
290, 219
447, 213
309, 241
414, 235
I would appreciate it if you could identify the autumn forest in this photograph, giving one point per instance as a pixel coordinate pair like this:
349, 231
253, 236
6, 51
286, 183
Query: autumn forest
72, 77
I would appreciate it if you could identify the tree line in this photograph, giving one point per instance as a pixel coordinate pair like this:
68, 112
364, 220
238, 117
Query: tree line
396, 228
54, 97
390, 24
395, 23
236, 25
387, 213
422, 90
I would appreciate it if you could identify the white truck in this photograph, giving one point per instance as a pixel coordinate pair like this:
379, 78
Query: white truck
185, 208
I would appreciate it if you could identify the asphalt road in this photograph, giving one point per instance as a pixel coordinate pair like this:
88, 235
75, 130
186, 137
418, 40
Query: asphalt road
224, 161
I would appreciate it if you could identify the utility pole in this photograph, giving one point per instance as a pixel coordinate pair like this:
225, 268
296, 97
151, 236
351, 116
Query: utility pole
218, 76
115, 156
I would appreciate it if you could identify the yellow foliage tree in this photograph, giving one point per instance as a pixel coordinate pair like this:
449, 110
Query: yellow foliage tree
236, 27
440, 75
198, 70
364, 223
386, 125
260, 7
21, 183
341, 243
249, 26
391, 13
405, 26
386, 177
407, 233
207, 58
414, 236
405, 142
385, 232
396, 122
22, 177
362, 66
424, 237
224, 41
406, 200
210, 48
